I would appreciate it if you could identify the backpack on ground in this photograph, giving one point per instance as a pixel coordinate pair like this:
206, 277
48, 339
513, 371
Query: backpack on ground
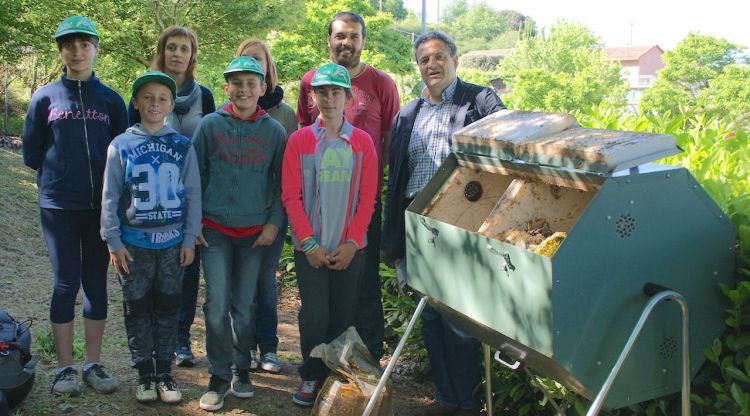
17, 366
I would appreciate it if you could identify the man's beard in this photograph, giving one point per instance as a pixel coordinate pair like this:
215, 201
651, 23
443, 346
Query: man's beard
349, 62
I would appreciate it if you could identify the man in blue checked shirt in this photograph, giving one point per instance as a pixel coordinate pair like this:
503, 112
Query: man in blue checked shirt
420, 142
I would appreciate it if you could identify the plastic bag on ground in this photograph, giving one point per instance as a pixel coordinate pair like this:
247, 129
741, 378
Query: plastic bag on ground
355, 374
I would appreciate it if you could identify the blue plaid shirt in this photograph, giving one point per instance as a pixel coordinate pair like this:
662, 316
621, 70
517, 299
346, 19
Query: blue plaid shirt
430, 144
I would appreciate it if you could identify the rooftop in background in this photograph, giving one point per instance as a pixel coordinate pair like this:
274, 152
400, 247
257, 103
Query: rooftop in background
629, 53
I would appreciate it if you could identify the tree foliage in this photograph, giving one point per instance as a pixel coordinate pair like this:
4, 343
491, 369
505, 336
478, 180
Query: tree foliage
688, 74
562, 71
394, 7
129, 30
299, 50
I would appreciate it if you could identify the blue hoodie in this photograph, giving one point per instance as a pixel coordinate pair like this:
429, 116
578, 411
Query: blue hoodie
68, 127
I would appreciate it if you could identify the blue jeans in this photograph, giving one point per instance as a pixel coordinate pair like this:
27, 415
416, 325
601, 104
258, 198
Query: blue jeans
454, 358
230, 268
266, 320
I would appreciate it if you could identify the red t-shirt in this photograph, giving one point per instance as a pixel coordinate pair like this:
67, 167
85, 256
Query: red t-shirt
372, 109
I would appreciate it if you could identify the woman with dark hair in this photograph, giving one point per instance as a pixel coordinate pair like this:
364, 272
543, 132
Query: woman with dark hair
176, 54
266, 320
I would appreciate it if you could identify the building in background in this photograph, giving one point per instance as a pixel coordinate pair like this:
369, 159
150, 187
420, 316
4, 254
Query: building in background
640, 65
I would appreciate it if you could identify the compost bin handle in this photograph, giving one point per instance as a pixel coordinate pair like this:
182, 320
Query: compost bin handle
433, 230
650, 289
515, 366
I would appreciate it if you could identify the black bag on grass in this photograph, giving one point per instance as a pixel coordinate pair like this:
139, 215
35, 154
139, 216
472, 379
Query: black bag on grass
17, 366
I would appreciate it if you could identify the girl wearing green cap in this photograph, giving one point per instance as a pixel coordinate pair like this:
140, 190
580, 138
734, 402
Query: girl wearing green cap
68, 127
329, 181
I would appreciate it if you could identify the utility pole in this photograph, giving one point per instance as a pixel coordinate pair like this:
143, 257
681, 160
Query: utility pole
5, 83
424, 16
381, 5
631, 34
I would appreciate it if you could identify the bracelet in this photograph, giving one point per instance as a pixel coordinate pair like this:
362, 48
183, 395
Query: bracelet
309, 244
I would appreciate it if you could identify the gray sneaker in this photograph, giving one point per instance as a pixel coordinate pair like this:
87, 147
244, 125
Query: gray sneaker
66, 382
270, 362
99, 379
241, 385
167, 388
253, 360
213, 399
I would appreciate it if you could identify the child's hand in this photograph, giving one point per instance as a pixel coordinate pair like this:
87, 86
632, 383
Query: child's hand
266, 236
200, 240
187, 255
317, 257
120, 259
341, 256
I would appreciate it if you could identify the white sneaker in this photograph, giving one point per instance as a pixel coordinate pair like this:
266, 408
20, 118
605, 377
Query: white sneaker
253, 360
270, 362
167, 388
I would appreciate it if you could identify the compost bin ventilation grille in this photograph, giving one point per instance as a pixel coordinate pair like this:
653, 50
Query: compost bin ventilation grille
668, 348
625, 225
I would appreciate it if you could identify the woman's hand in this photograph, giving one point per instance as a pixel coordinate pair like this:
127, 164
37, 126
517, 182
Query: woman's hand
341, 256
317, 258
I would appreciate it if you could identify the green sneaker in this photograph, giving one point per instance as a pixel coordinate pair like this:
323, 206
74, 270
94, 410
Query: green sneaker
241, 385
99, 379
213, 399
66, 382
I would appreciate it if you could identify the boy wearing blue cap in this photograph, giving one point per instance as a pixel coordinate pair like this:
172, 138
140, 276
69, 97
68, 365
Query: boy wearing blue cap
68, 127
150, 220
239, 149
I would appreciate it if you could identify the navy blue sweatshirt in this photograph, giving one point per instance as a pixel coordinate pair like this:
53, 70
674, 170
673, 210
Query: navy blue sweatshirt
68, 127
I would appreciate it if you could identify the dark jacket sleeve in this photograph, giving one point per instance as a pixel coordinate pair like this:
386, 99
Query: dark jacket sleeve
208, 104
35, 132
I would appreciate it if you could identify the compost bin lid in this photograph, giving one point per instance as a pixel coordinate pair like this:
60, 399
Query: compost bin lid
556, 139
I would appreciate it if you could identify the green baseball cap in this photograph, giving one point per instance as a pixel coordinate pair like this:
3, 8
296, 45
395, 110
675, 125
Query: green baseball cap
158, 77
331, 74
76, 24
244, 64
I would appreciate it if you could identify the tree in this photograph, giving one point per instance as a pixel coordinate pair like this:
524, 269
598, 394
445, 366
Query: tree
563, 71
480, 21
690, 68
728, 94
306, 47
129, 30
394, 7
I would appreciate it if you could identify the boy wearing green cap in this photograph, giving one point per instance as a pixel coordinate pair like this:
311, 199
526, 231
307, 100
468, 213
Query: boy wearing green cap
329, 184
68, 127
151, 209
239, 149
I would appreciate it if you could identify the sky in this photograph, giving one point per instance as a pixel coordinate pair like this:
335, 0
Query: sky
646, 22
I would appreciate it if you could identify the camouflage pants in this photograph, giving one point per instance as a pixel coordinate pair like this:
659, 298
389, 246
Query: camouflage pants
151, 302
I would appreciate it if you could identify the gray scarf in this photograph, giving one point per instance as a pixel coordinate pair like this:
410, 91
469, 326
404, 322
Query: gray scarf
186, 96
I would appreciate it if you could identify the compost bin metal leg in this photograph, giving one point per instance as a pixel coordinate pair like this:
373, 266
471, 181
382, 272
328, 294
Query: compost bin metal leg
660, 296
488, 377
394, 357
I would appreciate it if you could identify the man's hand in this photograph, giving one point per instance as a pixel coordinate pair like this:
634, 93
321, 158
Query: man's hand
266, 236
341, 256
200, 240
187, 255
119, 259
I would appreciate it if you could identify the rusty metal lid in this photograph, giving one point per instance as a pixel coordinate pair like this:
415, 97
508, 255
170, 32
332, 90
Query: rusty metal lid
556, 139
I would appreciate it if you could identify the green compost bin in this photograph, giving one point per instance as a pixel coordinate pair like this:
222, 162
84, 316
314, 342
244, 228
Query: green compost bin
622, 222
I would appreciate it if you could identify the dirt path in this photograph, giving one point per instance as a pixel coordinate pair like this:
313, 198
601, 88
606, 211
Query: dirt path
25, 285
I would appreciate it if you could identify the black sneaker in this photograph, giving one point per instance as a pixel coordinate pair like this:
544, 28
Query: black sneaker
146, 390
213, 399
241, 385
